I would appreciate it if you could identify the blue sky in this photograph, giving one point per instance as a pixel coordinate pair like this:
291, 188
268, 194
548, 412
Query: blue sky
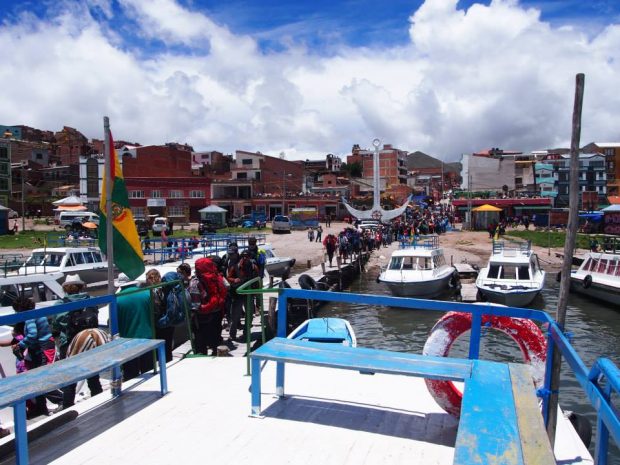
308, 78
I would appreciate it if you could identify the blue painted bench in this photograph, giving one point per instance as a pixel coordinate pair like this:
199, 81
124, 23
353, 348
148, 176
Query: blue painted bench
500, 420
15, 390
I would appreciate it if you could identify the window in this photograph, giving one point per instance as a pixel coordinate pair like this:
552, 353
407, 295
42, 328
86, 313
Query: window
246, 161
396, 263
257, 175
136, 194
156, 194
39, 156
4, 169
524, 273
242, 175
176, 211
197, 194
138, 212
4, 153
493, 272
4, 184
92, 178
175, 194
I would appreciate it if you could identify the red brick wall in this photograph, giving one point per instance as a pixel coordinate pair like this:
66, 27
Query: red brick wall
158, 161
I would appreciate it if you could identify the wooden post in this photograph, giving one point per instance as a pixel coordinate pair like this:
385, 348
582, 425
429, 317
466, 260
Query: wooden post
309, 264
323, 268
569, 247
271, 313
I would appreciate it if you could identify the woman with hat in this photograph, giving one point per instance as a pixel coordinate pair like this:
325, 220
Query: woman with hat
66, 327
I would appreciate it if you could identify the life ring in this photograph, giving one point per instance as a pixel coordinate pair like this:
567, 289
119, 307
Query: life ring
587, 281
307, 282
525, 333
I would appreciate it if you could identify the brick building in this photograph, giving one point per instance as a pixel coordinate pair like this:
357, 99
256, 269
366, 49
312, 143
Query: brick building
70, 145
392, 165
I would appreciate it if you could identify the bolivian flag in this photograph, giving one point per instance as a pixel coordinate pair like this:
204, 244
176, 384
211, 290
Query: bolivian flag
126, 243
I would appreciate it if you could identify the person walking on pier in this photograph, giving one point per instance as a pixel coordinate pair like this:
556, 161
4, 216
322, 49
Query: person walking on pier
319, 233
330, 247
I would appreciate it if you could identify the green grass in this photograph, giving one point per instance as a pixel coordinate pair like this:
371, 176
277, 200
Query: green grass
34, 239
551, 239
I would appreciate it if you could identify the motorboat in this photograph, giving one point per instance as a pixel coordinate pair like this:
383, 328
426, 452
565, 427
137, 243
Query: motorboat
513, 275
598, 277
419, 269
88, 262
279, 267
327, 330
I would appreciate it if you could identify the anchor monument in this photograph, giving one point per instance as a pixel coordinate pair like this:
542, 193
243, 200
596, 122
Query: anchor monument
376, 212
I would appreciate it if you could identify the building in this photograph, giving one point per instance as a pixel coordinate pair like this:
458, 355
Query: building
5, 172
159, 180
485, 173
592, 177
71, 144
546, 180
430, 176
392, 165
611, 150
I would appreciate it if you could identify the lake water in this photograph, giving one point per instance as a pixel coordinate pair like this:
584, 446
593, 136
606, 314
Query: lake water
595, 327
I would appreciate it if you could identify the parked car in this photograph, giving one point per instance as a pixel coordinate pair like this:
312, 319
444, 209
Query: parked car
281, 224
142, 226
161, 224
206, 227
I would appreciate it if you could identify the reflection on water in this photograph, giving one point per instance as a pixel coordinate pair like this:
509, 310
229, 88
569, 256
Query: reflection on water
595, 327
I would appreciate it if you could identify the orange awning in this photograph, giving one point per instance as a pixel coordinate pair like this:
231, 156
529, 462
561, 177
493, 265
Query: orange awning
89, 225
614, 199
70, 208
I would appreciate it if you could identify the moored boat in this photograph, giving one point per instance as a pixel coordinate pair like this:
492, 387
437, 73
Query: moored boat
328, 330
418, 269
598, 277
513, 275
89, 262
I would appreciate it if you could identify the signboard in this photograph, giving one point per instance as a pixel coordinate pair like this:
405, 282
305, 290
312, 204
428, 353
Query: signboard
612, 223
155, 202
302, 218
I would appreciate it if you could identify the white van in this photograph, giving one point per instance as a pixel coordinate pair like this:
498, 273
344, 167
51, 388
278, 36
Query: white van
67, 218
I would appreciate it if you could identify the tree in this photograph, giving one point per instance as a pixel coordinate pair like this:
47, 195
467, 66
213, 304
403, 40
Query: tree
353, 170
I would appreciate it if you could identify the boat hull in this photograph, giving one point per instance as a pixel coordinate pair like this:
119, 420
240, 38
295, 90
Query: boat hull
598, 291
423, 289
325, 330
511, 299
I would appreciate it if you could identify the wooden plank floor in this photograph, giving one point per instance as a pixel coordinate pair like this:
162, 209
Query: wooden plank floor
330, 417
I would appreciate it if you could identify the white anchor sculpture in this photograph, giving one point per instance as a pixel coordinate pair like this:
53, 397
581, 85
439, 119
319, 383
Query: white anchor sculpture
376, 212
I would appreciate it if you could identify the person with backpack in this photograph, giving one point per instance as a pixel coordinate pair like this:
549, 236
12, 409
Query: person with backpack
208, 299
240, 270
330, 243
174, 298
66, 326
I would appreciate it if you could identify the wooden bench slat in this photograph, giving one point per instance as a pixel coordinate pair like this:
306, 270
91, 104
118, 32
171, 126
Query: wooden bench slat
534, 440
479, 439
363, 359
68, 371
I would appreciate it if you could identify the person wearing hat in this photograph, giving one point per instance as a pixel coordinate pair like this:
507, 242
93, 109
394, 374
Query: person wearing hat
66, 326
240, 270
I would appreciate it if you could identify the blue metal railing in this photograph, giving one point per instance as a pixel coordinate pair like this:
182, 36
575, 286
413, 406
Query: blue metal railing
592, 381
419, 242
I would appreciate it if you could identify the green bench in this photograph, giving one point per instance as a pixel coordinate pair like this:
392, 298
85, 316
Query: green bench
15, 390
500, 421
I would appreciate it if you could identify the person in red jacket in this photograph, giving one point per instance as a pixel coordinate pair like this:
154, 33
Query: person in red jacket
208, 294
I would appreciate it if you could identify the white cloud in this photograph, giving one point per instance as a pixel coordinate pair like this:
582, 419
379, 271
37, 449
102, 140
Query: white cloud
493, 75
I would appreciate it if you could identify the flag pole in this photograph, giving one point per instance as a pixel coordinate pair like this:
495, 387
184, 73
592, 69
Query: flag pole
109, 231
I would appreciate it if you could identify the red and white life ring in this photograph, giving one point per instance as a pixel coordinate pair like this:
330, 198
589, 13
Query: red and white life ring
525, 333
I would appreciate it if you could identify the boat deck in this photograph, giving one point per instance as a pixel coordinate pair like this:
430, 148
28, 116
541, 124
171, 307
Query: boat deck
330, 417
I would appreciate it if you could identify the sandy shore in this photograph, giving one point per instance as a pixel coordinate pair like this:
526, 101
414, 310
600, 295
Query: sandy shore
472, 247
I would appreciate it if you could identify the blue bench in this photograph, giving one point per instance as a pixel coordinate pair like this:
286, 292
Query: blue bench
15, 390
500, 420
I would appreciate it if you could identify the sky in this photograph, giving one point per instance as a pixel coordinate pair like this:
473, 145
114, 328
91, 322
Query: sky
301, 79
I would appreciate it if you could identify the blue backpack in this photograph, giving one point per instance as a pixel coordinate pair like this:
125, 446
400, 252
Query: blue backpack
176, 300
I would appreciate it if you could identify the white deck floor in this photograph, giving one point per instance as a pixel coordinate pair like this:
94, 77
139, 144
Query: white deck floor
330, 417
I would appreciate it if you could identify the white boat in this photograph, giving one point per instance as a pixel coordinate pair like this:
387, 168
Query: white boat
598, 277
418, 269
513, 275
279, 267
326, 330
88, 262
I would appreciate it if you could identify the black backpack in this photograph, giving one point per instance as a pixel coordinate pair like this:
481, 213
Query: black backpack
79, 320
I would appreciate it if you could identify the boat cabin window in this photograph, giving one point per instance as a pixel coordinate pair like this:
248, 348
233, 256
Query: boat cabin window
602, 264
425, 264
97, 257
524, 273
410, 264
396, 263
614, 268
42, 258
493, 271
508, 272
76, 259
268, 253
438, 261
590, 264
